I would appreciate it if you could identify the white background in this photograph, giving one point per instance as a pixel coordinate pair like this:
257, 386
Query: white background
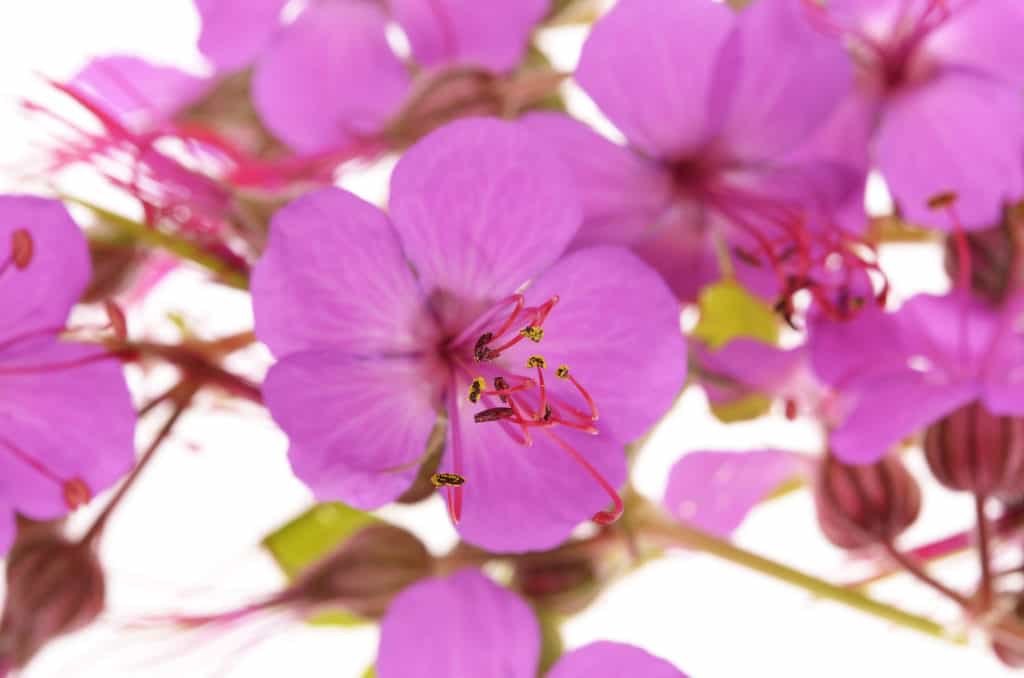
186, 538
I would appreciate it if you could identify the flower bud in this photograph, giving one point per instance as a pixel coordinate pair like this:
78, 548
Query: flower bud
973, 450
1008, 636
567, 579
54, 587
859, 506
365, 573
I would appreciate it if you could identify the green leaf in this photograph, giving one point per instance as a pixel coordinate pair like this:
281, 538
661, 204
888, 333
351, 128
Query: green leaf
314, 534
370, 672
728, 311
744, 409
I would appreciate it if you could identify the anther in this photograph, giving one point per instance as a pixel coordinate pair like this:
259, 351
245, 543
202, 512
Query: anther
547, 413
480, 351
501, 385
942, 200
536, 361
533, 333
476, 388
562, 372
76, 493
22, 248
494, 414
447, 480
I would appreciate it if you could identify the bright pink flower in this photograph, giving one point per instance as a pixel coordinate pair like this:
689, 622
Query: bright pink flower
459, 303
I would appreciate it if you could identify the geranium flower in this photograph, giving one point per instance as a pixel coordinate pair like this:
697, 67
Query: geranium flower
939, 96
718, 112
902, 371
466, 626
66, 418
331, 76
459, 303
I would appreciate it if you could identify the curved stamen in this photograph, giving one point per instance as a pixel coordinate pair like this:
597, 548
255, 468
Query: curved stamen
601, 517
74, 490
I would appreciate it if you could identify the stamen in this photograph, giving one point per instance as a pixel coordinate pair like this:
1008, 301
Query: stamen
533, 333
76, 493
601, 517
536, 361
480, 351
562, 372
494, 414
447, 480
476, 388
22, 248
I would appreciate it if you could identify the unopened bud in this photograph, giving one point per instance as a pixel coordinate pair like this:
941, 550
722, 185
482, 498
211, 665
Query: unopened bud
567, 579
973, 450
365, 573
54, 587
859, 506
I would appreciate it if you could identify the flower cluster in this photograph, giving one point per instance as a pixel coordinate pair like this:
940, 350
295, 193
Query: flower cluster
531, 301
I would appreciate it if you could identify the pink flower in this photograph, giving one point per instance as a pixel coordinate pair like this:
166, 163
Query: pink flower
66, 419
458, 303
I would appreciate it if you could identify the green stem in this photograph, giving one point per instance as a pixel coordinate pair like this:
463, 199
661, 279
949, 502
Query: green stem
135, 232
692, 538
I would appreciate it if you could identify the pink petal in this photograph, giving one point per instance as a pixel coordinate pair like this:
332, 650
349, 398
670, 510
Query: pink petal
481, 207
893, 407
40, 296
329, 77
958, 133
341, 257
650, 64
789, 79
493, 35
842, 353
140, 94
357, 427
524, 498
612, 660
78, 422
234, 32
983, 36
616, 326
754, 363
461, 626
716, 490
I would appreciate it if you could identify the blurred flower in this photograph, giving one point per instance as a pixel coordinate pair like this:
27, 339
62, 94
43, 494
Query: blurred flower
939, 96
719, 113
466, 626
859, 506
715, 491
902, 371
67, 428
344, 43
370, 349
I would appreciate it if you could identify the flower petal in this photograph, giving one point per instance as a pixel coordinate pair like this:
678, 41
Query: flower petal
357, 427
234, 32
460, 626
333, 275
789, 79
983, 36
843, 353
139, 93
764, 367
526, 498
616, 326
715, 490
492, 35
8, 529
76, 422
650, 65
892, 407
329, 77
40, 296
958, 133
481, 207
612, 660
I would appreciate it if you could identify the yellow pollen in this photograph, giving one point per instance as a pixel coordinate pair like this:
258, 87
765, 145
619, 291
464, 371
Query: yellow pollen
447, 480
475, 388
533, 333
536, 361
562, 372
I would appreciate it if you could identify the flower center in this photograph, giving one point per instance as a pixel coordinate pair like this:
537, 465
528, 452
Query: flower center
493, 368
